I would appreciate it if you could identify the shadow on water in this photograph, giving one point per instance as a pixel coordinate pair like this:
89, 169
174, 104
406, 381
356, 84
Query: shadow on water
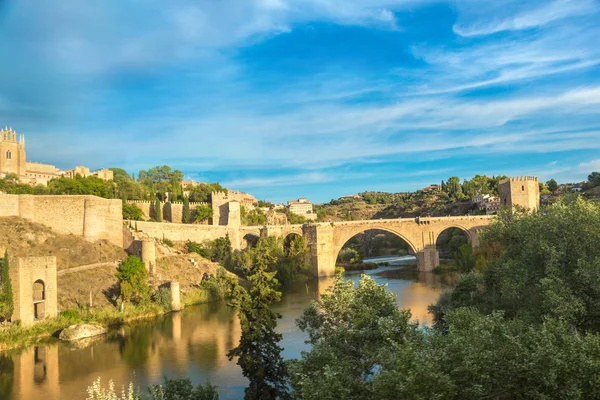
192, 343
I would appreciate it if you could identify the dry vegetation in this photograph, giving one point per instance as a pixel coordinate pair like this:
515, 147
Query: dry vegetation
23, 238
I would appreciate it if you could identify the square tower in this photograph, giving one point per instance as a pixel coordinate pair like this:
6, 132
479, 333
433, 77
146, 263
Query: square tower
523, 191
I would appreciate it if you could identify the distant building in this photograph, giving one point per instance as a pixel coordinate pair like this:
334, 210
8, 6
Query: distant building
13, 161
351, 197
302, 207
185, 185
487, 203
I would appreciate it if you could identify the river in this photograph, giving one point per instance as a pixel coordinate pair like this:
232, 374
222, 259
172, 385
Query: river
192, 343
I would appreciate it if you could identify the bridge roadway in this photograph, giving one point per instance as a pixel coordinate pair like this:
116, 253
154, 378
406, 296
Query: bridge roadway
326, 239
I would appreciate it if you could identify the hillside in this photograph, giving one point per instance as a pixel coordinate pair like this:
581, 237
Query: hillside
23, 238
393, 205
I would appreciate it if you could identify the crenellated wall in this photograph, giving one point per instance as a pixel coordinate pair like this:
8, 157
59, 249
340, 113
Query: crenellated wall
90, 217
170, 211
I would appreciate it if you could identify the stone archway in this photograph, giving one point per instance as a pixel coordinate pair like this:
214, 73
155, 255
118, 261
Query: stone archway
250, 240
287, 241
449, 239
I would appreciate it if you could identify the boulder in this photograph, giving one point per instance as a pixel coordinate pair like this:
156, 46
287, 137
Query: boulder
81, 331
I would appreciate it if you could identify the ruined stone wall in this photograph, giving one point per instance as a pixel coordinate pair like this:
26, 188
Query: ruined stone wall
24, 273
90, 217
184, 232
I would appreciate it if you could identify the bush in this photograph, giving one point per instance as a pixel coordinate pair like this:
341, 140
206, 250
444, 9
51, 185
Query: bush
182, 389
6, 294
168, 242
132, 212
163, 298
133, 284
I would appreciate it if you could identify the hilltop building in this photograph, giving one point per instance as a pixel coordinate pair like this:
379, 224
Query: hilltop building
14, 161
302, 207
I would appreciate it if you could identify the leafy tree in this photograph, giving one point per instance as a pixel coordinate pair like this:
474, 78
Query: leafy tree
454, 187
552, 185
254, 217
202, 192
548, 266
464, 260
133, 280
594, 179
186, 210
132, 212
258, 353
6, 294
203, 212
349, 330
157, 211
91, 185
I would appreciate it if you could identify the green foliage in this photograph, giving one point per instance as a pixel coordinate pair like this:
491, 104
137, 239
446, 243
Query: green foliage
202, 192
594, 179
548, 266
258, 352
157, 211
349, 330
186, 215
133, 280
552, 185
295, 219
182, 389
6, 293
349, 255
162, 297
219, 286
193, 247
127, 188
363, 347
254, 217
464, 260
132, 212
203, 212
168, 242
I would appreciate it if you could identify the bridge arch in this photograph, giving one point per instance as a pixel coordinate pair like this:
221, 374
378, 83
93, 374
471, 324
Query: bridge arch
250, 240
287, 241
344, 237
449, 239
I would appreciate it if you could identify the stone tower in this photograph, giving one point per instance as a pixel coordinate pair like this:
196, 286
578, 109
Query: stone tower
523, 191
12, 153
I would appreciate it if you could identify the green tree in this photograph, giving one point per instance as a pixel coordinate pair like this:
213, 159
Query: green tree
132, 212
203, 212
186, 210
133, 280
552, 185
594, 179
548, 266
157, 211
182, 389
258, 352
6, 294
454, 187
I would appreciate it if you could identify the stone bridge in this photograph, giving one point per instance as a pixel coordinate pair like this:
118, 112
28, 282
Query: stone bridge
325, 240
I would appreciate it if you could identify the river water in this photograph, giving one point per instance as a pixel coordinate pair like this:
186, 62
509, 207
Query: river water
192, 343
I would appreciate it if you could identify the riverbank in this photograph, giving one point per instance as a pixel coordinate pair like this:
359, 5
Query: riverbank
15, 336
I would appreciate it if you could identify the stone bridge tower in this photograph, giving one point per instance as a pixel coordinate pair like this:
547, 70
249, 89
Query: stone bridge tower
523, 191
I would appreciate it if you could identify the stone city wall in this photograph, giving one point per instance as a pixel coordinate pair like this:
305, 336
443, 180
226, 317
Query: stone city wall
170, 211
184, 232
90, 217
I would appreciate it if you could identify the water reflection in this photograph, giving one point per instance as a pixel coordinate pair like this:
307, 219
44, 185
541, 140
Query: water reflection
191, 343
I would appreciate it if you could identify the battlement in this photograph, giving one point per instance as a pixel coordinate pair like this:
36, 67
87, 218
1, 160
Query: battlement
520, 179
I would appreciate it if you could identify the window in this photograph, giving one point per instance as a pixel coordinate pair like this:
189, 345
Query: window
8, 155
523, 188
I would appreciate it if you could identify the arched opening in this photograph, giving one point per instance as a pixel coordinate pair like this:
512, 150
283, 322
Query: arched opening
39, 297
8, 155
450, 240
373, 248
251, 240
287, 243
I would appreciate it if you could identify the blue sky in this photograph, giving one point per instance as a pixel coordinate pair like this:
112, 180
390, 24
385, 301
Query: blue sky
315, 98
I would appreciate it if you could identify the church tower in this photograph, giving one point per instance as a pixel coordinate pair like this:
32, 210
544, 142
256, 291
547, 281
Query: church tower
12, 153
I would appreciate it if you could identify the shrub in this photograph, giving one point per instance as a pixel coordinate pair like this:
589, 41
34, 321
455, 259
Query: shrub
132, 212
6, 295
133, 284
182, 389
163, 298
168, 242
97, 392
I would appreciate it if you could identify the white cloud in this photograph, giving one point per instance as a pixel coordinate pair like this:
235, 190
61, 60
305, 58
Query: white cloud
486, 21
